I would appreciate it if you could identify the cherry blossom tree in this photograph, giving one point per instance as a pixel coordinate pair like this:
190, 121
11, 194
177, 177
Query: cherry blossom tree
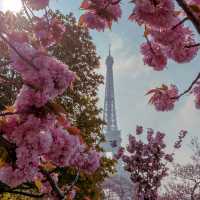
147, 161
185, 180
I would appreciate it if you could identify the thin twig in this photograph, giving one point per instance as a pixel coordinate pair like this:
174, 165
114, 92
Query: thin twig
194, 19
189, 88
74, 182
7, 80
150, 46
193, 45
181, 22
26, 12
3, 114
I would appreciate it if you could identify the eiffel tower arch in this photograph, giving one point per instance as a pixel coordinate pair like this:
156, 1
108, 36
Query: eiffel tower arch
118, 186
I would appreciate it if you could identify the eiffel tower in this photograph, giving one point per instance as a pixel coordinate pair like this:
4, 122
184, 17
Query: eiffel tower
111, 131
121, 185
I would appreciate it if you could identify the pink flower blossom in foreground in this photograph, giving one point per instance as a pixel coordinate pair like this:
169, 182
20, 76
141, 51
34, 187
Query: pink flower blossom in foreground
40, 139
48, 33
169, 37
154, 55
182, 51
163, 98
45, 77
100, 13
39, 136
38, 4
157, 14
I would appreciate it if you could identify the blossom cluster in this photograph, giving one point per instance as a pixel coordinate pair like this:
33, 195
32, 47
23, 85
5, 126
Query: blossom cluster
164, 98
39, 140
100, 13
147, 162
39, 136
169, 38
37, 4
181, 136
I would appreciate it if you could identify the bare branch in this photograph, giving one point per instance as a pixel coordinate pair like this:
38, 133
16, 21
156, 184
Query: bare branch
3, 114
72, 185
53, 184
195, 20
189, 88
193, 45
181, 22
24, 193
193, 190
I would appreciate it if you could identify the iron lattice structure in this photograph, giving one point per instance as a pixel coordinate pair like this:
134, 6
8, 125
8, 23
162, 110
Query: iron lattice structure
111, 131
117, 186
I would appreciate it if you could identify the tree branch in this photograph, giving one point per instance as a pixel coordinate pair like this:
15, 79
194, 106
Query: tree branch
24, 193
3, 114
74, 182
189, 88
181, 22
193, 190
190, 14
193, 45
53, 184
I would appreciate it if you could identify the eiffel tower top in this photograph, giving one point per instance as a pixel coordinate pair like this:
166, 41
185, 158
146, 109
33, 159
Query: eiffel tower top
109, 60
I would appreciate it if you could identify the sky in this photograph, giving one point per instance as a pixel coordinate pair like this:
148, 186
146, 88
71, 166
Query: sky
132, 79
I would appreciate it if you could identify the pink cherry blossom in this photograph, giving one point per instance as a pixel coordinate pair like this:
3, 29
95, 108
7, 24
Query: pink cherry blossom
100, 13
49, 33
158, 14
38, 4
154, 55
164, 98
39, 71
147, 163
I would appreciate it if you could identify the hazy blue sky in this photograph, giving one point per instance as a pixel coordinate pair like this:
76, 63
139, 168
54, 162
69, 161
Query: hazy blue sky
133, 79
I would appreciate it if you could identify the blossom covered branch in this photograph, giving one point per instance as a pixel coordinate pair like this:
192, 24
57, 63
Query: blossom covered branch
39, 135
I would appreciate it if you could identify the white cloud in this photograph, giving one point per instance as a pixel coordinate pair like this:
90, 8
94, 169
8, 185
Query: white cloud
125, 58
117, 43
188, 116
